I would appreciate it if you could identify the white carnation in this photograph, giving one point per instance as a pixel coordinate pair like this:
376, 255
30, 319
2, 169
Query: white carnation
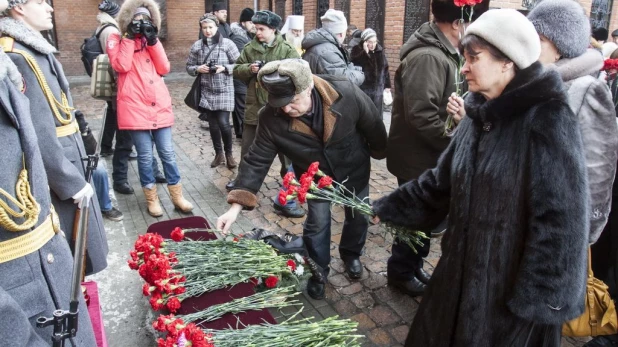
299, 270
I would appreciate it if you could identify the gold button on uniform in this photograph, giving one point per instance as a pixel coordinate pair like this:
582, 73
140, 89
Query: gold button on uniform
50, 258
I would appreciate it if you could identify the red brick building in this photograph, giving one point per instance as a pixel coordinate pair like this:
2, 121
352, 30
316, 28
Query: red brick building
394, 20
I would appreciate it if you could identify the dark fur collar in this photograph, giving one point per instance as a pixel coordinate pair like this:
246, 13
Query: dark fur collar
530, 87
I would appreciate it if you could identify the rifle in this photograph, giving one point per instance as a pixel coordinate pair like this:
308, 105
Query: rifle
66, 322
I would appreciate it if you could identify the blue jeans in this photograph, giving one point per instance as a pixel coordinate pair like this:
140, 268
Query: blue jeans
101, 186
317, 237
162, 139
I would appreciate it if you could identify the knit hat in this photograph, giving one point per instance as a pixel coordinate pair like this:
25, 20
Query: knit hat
600, 34
143, 11
246, 14
13, 3
265, 17
209, 17
283, 79
219, 6
367, 34
564, 23
511, 33
334, 21
109, 7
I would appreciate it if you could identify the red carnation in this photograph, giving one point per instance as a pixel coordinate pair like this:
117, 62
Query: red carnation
168, 342
156, 301
179, 290
325, 182
289, 179
283, 198
178, 234
271, 281
291, 264
161, 323
313, 168
173, 304
132, 264
134, 255
302, 194
146, 289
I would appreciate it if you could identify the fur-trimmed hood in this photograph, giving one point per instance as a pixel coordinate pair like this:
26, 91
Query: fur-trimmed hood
8, 69
128, 8
586, 64
20, 32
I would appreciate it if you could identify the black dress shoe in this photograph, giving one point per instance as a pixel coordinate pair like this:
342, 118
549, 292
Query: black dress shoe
160, 178
123, 188
412, 287
353, 267
230, 185
290, 212
315, 290
422, 275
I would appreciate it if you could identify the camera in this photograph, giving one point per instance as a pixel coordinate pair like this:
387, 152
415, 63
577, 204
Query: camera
211, 67
145, 27
259, 63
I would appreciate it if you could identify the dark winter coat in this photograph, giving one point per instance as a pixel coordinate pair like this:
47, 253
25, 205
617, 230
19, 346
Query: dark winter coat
375, 68
61, 155
217, 88
38, 283
327, 57
591, 101
353, 131
254, 51
423, 83
240, 37
513, 184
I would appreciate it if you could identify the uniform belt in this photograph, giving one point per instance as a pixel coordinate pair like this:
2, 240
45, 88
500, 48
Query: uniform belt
27, 243
67, 130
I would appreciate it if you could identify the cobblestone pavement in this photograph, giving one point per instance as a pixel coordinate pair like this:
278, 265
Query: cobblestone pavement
384, 315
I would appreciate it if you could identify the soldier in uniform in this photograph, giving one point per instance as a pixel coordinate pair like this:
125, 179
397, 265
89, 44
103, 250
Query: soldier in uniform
51, 108
35, 260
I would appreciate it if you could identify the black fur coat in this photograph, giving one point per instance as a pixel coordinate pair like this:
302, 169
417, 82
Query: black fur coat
513, 182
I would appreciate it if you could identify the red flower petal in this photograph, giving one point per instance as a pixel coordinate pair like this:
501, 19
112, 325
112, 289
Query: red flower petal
271, 281
178, 234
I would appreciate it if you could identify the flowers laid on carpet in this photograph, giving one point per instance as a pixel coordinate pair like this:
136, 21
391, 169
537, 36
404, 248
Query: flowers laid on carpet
337, 193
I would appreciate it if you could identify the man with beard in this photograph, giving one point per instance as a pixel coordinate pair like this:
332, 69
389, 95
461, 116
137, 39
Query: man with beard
219, 9
294, 32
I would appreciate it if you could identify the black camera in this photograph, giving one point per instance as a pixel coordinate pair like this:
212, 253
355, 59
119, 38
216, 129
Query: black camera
145, 27
259, 63
211, 67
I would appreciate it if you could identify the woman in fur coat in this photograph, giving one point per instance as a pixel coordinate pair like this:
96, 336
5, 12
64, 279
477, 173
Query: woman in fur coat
217, 86
369, 55
514, 186
144, 102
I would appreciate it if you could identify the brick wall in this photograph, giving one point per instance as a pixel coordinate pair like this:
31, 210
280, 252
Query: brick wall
236, 6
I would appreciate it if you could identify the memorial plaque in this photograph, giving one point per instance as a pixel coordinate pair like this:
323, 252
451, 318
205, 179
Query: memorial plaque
297, 7
280, 9
321, 10
417, 13
344, 6
374, 17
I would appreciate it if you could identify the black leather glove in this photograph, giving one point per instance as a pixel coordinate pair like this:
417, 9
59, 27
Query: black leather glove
134, 28
151, 32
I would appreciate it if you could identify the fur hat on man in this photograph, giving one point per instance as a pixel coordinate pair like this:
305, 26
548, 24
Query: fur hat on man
246, 14
209, 17
600, 34
13, 3
564, 23
109, 7
219, 6
283, 79
367, 34
334, 21
511, 33
265, 17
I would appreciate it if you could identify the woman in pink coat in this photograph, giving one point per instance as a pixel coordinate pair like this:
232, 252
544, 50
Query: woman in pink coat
144, 103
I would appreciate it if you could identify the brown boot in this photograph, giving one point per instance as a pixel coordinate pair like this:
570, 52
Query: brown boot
178, 200
219, 159
152, 199
231, 163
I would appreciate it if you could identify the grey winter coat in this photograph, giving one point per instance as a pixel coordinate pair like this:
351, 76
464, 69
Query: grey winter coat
217, 88
327, 57
38, 283
514, 186
240, 37
423, 83
591, 100
61, 156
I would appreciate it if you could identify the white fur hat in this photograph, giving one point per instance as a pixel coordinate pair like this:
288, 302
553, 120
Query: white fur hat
511, 33
608, 48
334, 21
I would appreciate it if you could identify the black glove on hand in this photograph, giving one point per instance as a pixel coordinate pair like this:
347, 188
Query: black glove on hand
151, 32
134, 28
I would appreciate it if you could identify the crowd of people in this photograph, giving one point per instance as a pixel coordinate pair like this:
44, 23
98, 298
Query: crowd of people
519, 187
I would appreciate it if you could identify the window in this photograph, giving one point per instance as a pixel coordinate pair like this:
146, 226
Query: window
600, 13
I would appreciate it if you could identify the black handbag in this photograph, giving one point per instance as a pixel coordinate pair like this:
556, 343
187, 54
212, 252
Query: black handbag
195, 94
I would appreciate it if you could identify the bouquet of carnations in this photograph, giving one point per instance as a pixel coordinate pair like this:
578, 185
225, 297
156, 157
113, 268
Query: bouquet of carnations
330, 190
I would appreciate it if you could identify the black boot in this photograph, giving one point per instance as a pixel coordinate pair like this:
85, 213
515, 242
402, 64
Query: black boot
412, 287
353, 267
315, 290
422, 275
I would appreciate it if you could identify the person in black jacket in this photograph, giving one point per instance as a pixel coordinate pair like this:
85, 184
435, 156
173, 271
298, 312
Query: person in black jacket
335, 124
